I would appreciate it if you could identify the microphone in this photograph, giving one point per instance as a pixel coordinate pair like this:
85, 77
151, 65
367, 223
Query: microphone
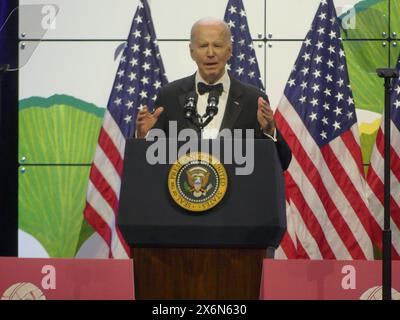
190, 105
212, 103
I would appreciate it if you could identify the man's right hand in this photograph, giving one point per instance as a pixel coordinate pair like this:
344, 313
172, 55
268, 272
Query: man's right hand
146, 120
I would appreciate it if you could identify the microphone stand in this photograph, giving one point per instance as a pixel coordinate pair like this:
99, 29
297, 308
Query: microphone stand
212, 108
3, 69
388, 75
191, 111
207, 121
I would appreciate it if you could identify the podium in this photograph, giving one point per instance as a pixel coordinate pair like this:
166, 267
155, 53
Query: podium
216, 254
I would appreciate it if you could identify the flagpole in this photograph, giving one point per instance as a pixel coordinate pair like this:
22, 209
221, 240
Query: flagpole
388, 75
3, 69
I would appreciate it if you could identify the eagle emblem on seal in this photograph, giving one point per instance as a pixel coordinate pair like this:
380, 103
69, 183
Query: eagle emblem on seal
198, 181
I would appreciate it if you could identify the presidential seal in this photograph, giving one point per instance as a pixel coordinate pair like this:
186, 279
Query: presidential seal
197, 182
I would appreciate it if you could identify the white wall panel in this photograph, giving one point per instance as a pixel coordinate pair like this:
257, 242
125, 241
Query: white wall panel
84, 70
280, 61
176, 59
173, 19
79, 19
289, 19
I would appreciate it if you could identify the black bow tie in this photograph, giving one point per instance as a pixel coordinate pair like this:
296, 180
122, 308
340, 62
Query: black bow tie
203, 88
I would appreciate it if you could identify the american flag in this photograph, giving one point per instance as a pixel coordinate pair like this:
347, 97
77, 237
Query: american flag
375, 177
325, 181
243, 64
139, 77
289, 246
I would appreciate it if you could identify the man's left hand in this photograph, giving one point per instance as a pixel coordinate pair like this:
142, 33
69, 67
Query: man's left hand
265, 116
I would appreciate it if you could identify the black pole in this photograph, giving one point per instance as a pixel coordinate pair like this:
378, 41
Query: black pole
387, 233
9, 129
387, 74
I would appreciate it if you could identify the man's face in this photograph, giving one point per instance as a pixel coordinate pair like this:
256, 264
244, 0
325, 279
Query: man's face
211, 50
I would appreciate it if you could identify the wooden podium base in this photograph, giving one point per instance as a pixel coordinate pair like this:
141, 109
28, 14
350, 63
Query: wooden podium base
194, 273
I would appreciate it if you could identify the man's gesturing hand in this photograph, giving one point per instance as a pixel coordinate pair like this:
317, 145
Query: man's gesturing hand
265, 116
146, 120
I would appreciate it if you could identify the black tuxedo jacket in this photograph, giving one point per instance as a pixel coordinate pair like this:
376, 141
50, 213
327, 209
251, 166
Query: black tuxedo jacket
240, 111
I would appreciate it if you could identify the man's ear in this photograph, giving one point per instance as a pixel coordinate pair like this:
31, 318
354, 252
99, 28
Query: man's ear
191, 51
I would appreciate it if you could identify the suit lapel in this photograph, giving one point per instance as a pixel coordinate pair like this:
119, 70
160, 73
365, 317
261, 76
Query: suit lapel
233, 105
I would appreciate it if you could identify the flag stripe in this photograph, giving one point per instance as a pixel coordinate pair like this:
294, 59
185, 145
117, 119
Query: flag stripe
104, 188
352, 143
112, 153
376, 183
306, 244
316, 199
114, 133
103, 209
376, 203
98, 223
287, 246
395, 140
344, 177
121, 250
280, 253
394, 157
106, 213
307, 193
288, 241
302, 252
107, 170
394, 182
342, 216
308, 217
377, 207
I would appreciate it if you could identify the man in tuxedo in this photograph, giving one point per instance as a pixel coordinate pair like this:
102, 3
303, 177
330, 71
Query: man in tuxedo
241, 106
